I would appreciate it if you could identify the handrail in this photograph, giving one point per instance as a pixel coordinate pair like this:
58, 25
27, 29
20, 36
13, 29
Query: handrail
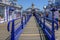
56, 22
49, 33
48, 19
15, 32
8, 25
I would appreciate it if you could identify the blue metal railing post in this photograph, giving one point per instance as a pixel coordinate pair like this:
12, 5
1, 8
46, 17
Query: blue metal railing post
53, 34
25, 19
8, 26
12, 32
40, 19
44, 22
22, 22
57, 27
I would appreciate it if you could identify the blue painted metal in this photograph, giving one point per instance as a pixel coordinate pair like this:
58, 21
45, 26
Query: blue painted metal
8, 26
53, 32
22, 22
15, 32
11, 8
44, 22
50, 34
12, 32
50, 20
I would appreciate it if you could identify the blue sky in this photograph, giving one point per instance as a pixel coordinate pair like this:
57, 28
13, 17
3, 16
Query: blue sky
38, 3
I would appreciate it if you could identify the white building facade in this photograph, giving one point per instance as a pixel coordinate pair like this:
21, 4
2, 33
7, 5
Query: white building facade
7, 10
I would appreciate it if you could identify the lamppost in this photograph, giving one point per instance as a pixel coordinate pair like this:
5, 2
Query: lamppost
53, 32
44, 16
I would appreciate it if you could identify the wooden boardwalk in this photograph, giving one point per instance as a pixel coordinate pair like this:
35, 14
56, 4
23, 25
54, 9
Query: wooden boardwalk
3, 31
31, 31
57, 34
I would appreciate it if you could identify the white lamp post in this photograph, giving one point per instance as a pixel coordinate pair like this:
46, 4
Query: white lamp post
44, 14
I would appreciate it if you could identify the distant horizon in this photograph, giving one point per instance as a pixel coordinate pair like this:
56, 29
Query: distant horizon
27, 3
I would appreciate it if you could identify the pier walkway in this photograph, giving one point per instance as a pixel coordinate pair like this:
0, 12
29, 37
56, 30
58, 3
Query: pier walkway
32, 31
3, 31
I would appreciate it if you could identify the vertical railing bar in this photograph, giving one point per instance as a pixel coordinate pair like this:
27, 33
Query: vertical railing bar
53, 34
12, 32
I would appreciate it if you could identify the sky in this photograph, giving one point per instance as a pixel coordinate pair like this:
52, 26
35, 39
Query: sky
38, 3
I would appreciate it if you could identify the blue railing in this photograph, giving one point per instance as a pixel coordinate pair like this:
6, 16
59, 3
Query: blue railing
50, 20
49, 33
16, 32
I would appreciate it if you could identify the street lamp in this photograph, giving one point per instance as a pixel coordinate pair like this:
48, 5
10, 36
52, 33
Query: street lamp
44, 7
44, 15
53, 9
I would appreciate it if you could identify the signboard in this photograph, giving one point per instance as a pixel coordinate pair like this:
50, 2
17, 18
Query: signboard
11, 8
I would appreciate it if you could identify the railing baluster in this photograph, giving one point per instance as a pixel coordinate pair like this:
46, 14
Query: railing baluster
53, 34
22, 22
12, 31
49, 32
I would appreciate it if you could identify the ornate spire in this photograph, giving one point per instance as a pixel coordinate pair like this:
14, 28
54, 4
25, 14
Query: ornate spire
32, 6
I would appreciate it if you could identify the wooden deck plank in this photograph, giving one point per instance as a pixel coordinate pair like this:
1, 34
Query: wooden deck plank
31, 31
4, 34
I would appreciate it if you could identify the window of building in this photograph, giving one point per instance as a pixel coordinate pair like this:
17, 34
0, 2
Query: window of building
1, 11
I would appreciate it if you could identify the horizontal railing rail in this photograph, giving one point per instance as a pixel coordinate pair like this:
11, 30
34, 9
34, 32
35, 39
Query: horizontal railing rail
50, 21
16, 32
8, 25
49, 33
